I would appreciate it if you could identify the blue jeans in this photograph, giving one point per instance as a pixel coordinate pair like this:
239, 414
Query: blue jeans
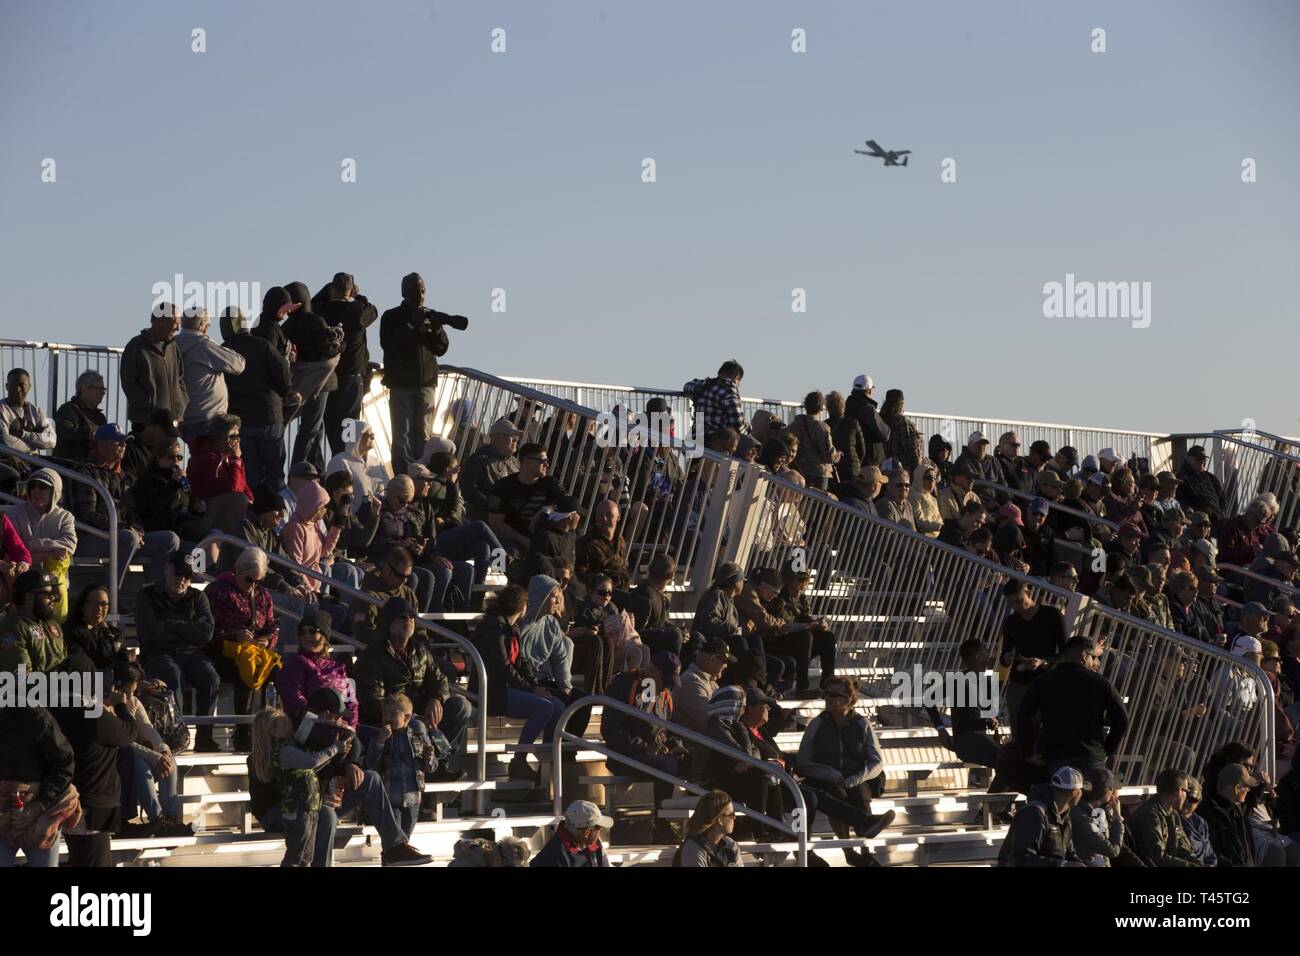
179, 670
42, 858
407, 410
379, 811
263, 451
343, 402
461, 573
347, 573
472, 541
300, 835
539, 713
141, 789
309, 445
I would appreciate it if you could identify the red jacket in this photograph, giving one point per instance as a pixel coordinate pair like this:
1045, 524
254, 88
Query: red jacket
1238, 544
212, 473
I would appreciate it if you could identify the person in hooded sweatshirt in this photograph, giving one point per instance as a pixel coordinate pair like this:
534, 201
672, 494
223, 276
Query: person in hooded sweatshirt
206, 365
317, 346
152, 371
413, 339
48, 531
304, 543
355, 460
545, 646
259, 396
343, 306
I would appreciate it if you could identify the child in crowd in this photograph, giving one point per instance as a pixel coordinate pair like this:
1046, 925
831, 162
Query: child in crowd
403, 754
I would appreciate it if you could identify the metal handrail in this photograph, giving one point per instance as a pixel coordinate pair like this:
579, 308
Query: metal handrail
1053, 505
799, 831
1247, 573
449, 636
99, 490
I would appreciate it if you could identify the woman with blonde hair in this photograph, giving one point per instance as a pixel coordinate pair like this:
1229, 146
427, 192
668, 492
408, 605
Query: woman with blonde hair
708, 841
925, 498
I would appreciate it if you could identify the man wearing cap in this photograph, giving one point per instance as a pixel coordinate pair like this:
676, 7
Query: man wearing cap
1097, 826
1083, 718
1278, 563
1167, 485
30, 637
1064, 462
1208, 609
1237, 689
105, 466
152, 371
1108, 460
1156, 826
959, 491
700, 683
1014, 471
983, 468
792, 605
577, 838
894, 505
1251, 622
1039, 551
1200, 489
1169, 531
1224, 812
862, 407
413, 339
488, 464
861, 492
1041, 834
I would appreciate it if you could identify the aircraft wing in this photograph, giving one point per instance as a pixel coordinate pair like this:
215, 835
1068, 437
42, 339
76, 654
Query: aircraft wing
875, 148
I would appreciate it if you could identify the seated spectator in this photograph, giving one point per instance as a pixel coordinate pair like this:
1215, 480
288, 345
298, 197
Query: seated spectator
1157, 825
974, 737
445, 497
348, 561
576, 841
707, 838
840, 756
77, 419
650, 605
923, 499
776, 455
595, 621
174, 624
147, 767
304, 543
105, 466
1279, 564
390, 579
1063, 575
36, 765
544, 645
403, 753
1184, 614
216, 473
1040, 834
791, 604
1200, 489
442, 520
1039, 552
48, 531
1097, 826
861, 491
514, 502
487, 465
602, 548
715, 614
302, 474
700, 683
404, 664
1197, 830
354, 460
459, 575
30, 637
24, 427
649, 689
14, 557
314, 667
957, 531
759, 629
894, 505
1227, 818
959, 491
243, 613
161, 497
397, 528
1241, 538
89, 630
258, 529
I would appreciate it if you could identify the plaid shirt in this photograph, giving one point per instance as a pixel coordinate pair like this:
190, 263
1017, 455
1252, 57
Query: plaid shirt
717, 403
404, 758
904, 445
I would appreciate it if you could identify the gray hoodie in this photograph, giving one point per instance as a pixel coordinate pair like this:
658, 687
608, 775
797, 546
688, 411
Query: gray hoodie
48, 532
206, 365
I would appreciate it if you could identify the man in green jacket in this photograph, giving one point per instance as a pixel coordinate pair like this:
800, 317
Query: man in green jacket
1156, 829
29, 636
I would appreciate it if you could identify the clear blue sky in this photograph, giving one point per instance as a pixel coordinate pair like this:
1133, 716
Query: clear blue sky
523, 171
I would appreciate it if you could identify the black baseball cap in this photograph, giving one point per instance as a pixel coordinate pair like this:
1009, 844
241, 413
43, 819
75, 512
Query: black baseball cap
718, 648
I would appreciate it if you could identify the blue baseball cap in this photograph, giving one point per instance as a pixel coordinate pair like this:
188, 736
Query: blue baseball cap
110, 432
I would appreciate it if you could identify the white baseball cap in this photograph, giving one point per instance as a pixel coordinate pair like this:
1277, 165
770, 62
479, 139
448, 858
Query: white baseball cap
864, 381
1108, 454
1245, 644
583, 813
977, 437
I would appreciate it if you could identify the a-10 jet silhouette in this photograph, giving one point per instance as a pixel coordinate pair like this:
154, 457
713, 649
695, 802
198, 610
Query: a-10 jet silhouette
890, 156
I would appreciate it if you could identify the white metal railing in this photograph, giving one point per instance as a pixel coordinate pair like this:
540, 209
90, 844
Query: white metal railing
1247, 464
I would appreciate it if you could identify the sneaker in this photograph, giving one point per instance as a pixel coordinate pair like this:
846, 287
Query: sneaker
519, 770
815, 861
204, 742
878, 823
404, 855
447, 775
138, 831
241, 741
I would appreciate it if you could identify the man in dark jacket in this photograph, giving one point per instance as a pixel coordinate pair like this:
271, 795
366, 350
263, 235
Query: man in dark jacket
1156, 826
1200, 490
1083, 717
649, 606
977, 458
258, 397
77, 419
862, 407
342, 306
1224, 811
576, 842
1040, 834
1013, 470
403, 664
33, 750
317, 346
413, 339
152, 372
175, 625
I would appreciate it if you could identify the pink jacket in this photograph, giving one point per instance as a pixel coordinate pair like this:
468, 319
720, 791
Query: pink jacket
301, 537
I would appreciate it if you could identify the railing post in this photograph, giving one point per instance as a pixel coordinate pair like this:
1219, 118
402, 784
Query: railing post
745, 514
714, 521
1073, 612
54, 383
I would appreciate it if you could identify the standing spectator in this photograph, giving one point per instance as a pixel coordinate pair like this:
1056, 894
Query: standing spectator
1227, 817
846, 433
24, 427
30, 637
717, 401
342, 306
924, 499
1033, 635
1200, 489
36, 767
317, 347
904, 444
105, 466
413, 338
1157, 825
174, 623
206, 365
576, 842
487, 465
1097, 827
707, 841
152, 371
258, 398
817, 454
1041, 833
1083, 717
277, 304
77, 419
862, 407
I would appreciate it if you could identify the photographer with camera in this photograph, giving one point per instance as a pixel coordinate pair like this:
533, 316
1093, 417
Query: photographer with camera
413, 338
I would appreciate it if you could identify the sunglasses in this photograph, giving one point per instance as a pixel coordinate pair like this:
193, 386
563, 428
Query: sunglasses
540, 461
603, 593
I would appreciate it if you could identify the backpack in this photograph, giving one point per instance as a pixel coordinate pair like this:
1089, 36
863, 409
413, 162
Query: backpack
161, 708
